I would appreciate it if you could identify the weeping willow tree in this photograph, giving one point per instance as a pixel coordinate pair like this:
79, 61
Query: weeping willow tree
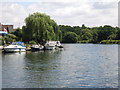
40, 28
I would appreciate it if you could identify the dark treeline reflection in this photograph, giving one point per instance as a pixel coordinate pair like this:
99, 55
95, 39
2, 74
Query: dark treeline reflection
41, 60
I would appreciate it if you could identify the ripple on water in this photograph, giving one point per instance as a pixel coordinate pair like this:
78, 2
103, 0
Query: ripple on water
77, 66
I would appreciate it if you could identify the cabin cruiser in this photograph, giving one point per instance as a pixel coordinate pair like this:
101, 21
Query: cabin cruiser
36, 47
58, 44
15, 47
50, 45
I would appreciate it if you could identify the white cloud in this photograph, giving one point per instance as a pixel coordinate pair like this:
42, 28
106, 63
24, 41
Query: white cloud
69, 12
59, 0
12, 13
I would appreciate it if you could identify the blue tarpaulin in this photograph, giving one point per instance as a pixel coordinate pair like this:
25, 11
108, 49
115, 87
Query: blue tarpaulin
18, 43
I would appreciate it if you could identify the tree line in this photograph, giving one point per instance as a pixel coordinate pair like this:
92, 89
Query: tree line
83, 34
40, 28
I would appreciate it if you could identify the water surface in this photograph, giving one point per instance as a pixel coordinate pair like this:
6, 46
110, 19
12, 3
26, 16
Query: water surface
76, 66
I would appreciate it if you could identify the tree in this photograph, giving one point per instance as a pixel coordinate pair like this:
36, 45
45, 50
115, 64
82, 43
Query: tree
94, 34
19, 34
9, 38
40, 27
70, 37
118, 33
104, 33
83, 26
86, 34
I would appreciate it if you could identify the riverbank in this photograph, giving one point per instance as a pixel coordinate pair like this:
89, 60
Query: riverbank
102, 42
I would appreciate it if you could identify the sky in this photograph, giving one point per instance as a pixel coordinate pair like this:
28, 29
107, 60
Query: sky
92, 13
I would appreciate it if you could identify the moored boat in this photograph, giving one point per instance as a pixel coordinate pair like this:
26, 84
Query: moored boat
58, 44
50, 45
36, 47
15, 47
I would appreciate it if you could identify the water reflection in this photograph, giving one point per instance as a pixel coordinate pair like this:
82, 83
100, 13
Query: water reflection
13, 72
41, 68
77, 66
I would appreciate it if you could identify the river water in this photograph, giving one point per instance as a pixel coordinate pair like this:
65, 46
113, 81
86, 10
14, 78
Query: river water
75, 66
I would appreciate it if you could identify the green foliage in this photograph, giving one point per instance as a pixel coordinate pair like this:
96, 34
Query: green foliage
94, 34
32, 42
11, 36
84, 41
0, 38
0, 41
110, 42
9, 39
105, 32
86, 34
83, 26
70, 37
19, 34
118, 33
40, 27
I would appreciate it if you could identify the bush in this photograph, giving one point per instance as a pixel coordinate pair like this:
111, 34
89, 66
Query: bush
70, 37
110, 42
84, 41
32, 42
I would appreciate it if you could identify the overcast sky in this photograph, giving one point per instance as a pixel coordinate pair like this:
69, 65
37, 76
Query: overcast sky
65, 12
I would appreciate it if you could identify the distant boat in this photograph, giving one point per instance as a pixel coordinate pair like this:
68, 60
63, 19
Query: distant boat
36, 47
15, 47
50, 45
58, 44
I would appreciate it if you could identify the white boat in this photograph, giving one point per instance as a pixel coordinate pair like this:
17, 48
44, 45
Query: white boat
36, 47
50, 45
58, 44
15, 47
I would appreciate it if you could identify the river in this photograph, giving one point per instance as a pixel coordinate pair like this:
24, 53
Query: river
75, 66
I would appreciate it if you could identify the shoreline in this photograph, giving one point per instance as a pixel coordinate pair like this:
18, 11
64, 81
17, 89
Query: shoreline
93, 43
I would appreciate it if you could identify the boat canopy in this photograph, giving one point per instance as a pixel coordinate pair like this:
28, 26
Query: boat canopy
18, 43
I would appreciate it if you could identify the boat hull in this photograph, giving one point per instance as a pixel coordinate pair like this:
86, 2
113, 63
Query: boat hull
35, 49
49, 47
14, 49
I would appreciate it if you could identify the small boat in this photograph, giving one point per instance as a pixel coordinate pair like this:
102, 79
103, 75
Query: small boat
36, 47
15, 47
58, 44
50, 45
